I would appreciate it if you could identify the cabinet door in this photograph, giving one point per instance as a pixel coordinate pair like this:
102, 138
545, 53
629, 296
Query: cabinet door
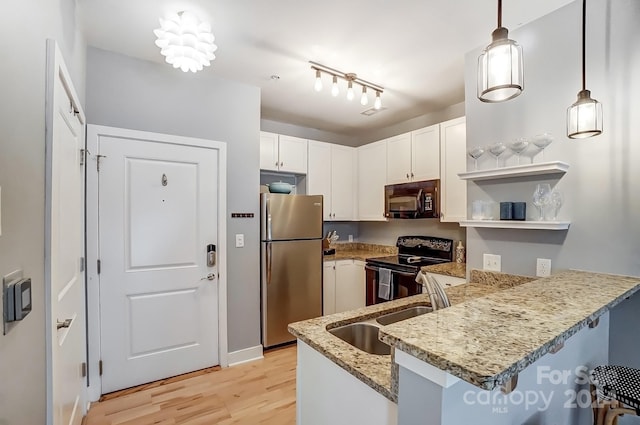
372, 176
425, 153
293, 154
329, 288
268, 151
319, 174
399, 159
453, 160
350, 286
343, 166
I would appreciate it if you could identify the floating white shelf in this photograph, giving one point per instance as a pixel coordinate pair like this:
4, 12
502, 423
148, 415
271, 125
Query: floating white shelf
541, 168
509, 224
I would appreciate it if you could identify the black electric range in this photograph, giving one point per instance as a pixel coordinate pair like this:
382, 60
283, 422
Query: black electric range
414, 252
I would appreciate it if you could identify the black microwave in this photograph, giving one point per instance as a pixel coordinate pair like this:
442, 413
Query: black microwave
412, 200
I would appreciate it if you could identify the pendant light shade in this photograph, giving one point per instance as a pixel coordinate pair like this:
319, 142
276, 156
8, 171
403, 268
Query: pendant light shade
584, 118
500, 67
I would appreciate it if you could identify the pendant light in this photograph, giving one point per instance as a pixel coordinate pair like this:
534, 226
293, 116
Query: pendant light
584, 118
500, 66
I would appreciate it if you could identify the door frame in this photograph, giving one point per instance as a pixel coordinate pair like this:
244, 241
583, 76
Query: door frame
93, 279
55, 68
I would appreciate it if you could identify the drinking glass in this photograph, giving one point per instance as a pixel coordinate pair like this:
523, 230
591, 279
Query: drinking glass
518, 146
496, 150
475, 153
542, 141
555, 202
541, 198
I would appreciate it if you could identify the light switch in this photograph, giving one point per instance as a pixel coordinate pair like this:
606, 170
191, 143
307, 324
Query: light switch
240, 240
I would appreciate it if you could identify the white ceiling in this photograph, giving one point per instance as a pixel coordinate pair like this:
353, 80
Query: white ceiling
413, 48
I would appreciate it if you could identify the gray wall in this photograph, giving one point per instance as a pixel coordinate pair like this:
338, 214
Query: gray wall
24, 28
386, 233
130, 93
602, 199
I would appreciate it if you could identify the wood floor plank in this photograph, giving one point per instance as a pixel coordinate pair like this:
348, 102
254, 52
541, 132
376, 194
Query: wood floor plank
260, 392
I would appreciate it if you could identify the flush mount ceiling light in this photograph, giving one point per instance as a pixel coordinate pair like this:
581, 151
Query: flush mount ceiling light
186, 42
584, 118
500, 67
350, 78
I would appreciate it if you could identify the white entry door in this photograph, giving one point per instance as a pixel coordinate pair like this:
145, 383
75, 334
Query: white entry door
158, 213
65, 233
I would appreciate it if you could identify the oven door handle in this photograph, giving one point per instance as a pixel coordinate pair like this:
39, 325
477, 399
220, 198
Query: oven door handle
376, 269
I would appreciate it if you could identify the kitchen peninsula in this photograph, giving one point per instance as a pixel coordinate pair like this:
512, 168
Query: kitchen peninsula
445, 365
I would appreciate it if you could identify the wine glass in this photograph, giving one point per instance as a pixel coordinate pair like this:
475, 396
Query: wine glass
496, 150
541, 197
475, 153
542, 141
555, 202
519, 145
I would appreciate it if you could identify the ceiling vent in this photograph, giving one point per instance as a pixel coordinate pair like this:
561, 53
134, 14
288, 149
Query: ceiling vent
372, 111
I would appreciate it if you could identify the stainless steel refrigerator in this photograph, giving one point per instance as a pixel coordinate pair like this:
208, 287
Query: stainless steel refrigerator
291, 263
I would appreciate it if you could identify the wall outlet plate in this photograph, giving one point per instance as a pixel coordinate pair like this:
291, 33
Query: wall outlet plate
492, 262
543, 267
239, 240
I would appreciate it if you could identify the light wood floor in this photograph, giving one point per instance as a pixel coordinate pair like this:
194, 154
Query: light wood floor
260, 392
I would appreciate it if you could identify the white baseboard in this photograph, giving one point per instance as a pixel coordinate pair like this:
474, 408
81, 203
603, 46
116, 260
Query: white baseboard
245, 355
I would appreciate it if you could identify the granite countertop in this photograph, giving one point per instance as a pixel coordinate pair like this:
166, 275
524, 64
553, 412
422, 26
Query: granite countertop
448, 269
359, 251
487, 340
374, 370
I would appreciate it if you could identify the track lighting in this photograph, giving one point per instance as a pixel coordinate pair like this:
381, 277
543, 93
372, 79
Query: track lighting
584, 118
500, 67
350, 78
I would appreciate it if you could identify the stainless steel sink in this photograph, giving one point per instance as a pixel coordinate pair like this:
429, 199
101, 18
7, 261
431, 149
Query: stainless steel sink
407, 313
363, 336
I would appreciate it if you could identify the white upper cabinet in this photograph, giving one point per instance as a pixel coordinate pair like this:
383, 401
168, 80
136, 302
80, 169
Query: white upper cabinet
319, 175
453, 160
283, 153
269, 151
425, 153
331, 173
372, 177
399, 159
414, 156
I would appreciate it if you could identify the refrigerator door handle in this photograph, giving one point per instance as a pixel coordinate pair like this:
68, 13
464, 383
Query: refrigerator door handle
269, 258
267, 218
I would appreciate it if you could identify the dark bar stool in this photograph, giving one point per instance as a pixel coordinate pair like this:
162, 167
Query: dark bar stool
615, 391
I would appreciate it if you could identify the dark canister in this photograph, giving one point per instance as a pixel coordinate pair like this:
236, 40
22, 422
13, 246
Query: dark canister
519, 210
506, 210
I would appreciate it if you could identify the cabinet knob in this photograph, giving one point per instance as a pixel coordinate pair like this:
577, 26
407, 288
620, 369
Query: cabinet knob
407, 175
276, 163
281, 164
411, 175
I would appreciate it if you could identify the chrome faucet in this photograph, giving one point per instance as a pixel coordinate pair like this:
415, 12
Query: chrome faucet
434, 289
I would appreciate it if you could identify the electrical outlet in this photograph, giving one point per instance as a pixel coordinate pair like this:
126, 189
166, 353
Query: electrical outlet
543, 267
350, 238
492, 262
239, 240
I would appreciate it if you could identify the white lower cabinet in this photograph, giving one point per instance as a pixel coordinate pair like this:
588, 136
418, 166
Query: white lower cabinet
343, 286
329, 288
327, 394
